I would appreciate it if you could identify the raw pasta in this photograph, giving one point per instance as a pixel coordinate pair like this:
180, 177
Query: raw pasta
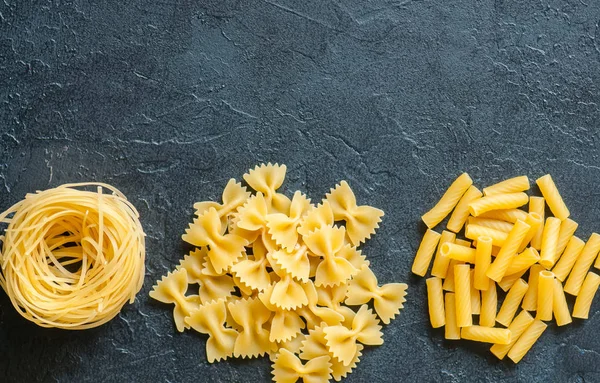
475, 231
491, 223
461, 212
496, 202
489, 306
425, 252
508, 215
435, 299
458, 252
552, 196
448, 201
498, 268
451, 330
582, 264
511, 303
569, 256
516, 328
483, 258
560, 309
511, 185
549, 242
486, 334
545, 295
526, 340
441, 262
537, 205
530, 299
586, 296
462, 283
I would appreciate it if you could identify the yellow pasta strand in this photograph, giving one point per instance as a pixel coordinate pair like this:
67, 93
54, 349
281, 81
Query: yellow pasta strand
552, 196
516, 328
495, 224
523, 261
452, 331
508, 215
586, 296
489, 306
474, 231
507, 252
570, 255
545, 295
530, 299
461, 212
483, 258
534, 220
462, 242
582, 265
509, 280
425, 253
567, 229
511, 302
496, 202
549, 242
458, 252
511, 185
462, 283
475, 297
441, 262
448, 201
559, 305
435, 295
449, 281
486, 334
537, 205
526, 340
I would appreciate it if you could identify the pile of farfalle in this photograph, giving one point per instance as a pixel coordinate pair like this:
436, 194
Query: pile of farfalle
277, 277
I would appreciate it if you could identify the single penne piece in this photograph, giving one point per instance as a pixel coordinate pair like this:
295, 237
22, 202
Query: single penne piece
452, 331
523, 261
463, 242
425, 253
489, 306
486, 334
458, 252
461, 212
475, 297
526, 340
491, 223
567, 229
530, 298
440, 262
495, 251
516, 328
511, 185
545, 295
475, 231
498, 268
449, 281
508, 215
549, 242
537, 205
534, 220
462, 286
567, 260
560, 309
483, 259
448, 201
582, 265
586, 296
509, 280
435, 300
496, 202
511, 302
552, 197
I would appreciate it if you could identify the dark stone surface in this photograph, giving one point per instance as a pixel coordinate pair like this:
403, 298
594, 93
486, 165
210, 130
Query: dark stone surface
168, 101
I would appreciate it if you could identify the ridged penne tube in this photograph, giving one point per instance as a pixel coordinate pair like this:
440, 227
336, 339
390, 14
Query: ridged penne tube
516, 328
523, 261
489, 306
486, 334
508, 215
496, 202
448, 201
474, 231
475, 297
425, 253
582, 265
530, 299
534, 220
511, 185
458, 252
549, 242
552, 196
567, 229
509, 280
452, 331
567, 260
435, 300
526, 340
507, 252
586, 296
545, 295
511, 302
462, 286
449, 281
560, 309
463, 242
461, 212
537, 205
483, 258
440, 262
491, 223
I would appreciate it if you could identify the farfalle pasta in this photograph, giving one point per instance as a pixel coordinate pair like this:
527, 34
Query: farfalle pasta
277, 277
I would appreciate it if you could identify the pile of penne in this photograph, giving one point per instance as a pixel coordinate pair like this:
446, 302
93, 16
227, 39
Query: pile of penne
523, 253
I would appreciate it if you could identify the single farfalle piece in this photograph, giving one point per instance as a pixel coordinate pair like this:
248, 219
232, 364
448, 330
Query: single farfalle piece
294, 262
234, 196
224, 250
354, 256
212, 287
171, 289
313, 314
332, 297
251, 315
388, 299
316, 219
287, 293
252, 215
342, 341
361, 221
283, 227
267, 179
285, 324
210, 319
253, 272
288, 368
327, 242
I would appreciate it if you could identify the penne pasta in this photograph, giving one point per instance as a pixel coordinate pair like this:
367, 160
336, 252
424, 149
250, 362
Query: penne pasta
530, 298
526, 340
508, 215
435, 295
537, 205
474, 231
448, 201
495, 224
567, 229
511, 185
549, 242
511, 302
523, 261
462, 242
483, 258
582, 265
449, 281
425, 253
489, 306
567, 260
586, 296
552, 196
486, 334
498, 268
462, 285
452, 331
461, 212
516, 328
534, 220
560, 309
458, 252
475, 296
509, 280
545, 295
440, 262
496, 202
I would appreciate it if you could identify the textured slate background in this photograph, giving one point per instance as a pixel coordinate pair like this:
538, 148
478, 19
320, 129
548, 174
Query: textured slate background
168, 101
